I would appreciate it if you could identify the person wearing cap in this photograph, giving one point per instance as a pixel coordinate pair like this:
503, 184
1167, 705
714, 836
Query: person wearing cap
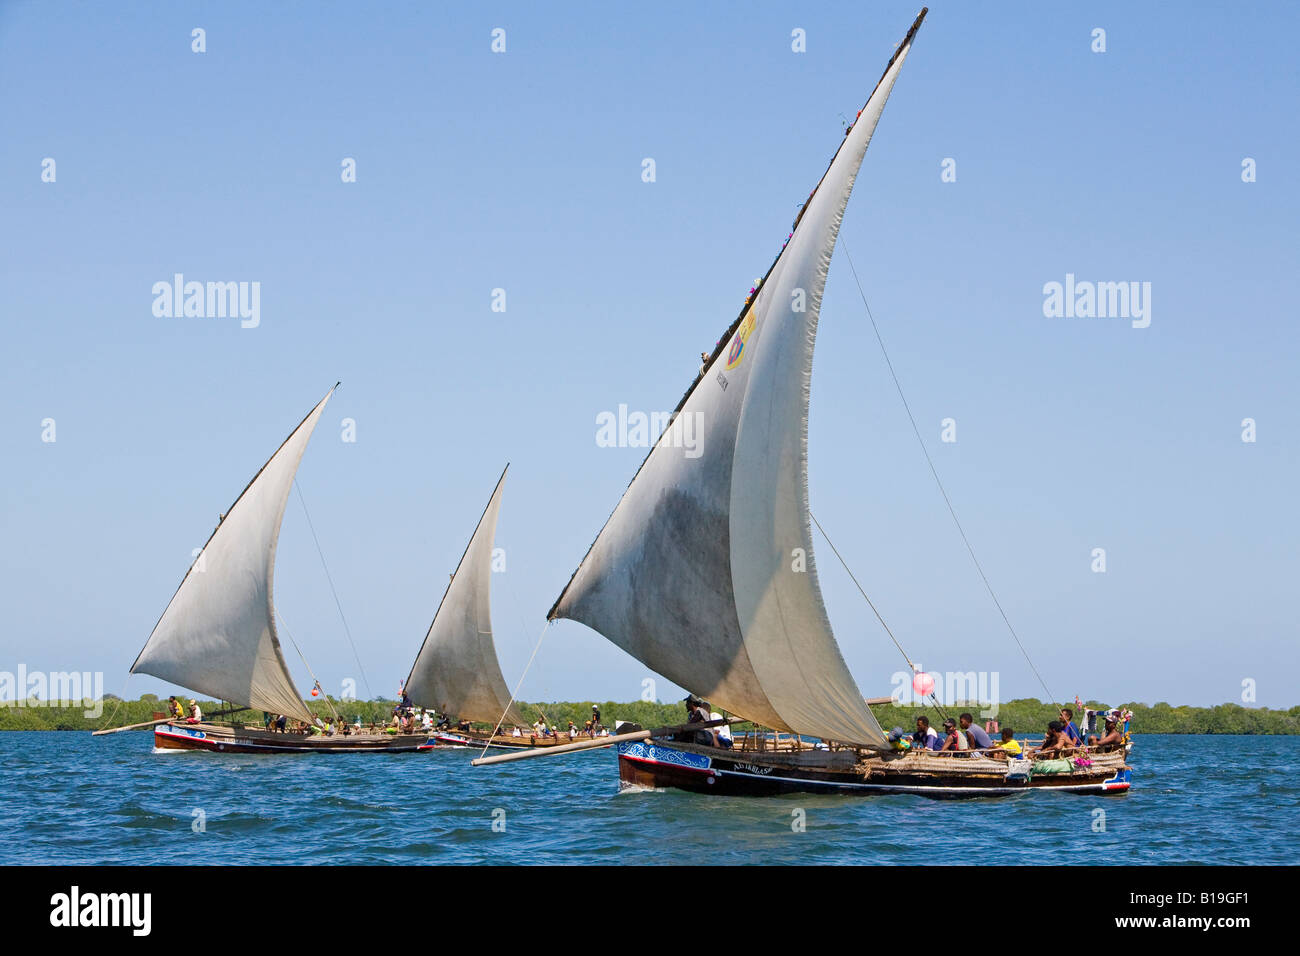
595, 718
956, 740
696, 713
196, 715
702, 714
1112, 737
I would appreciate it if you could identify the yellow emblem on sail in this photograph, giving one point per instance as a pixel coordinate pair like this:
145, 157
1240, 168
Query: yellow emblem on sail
737, 350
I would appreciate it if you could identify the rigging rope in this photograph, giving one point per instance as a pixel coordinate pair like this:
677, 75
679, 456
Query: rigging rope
337, 602
925, 451
515, 693
522, 619
933, 698
304, 662
117, 705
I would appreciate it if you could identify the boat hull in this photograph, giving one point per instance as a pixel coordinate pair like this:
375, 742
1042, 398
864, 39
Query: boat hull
655, 764
457, 738
219, 739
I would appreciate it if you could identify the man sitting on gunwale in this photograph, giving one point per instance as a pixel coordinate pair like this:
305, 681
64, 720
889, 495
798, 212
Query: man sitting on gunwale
696, 713
1112, 739
1068, 728
1009, 745
954, 739
926, 737
1055, 742
975, 734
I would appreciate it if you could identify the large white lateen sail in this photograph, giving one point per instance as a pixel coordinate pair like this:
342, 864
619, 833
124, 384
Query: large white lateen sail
218, 634
456, 671
705, 572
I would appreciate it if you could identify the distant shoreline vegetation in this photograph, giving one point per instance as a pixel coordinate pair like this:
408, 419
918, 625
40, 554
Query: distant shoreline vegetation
1026, 716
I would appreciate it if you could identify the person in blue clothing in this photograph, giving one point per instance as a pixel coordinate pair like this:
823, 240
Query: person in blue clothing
926, 737
1068, 728
979, 740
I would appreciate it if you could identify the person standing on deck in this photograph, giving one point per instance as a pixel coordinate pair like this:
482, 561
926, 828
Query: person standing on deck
979, 740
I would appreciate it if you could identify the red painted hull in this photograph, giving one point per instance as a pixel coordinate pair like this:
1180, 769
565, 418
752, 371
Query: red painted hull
217, 739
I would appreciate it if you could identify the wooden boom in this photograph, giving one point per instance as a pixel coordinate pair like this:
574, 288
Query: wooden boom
599, 742
114, 730
161, 720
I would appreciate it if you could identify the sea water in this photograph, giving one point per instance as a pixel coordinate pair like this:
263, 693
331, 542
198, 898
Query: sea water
68, 798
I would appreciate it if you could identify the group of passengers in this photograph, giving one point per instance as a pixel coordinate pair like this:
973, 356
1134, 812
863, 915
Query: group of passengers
542, 728
1060, 739
192, 715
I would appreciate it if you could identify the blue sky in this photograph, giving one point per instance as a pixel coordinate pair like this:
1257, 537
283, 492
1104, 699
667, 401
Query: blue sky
522, 170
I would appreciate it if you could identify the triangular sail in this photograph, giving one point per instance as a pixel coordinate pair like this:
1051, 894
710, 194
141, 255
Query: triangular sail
456, 671
218, 636
705, 572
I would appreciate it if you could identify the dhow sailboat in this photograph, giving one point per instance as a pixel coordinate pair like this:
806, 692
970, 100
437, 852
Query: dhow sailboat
456, 672
218, 636
704, 572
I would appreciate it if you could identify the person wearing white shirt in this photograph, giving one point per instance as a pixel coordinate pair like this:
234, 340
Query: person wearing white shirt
723, 731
